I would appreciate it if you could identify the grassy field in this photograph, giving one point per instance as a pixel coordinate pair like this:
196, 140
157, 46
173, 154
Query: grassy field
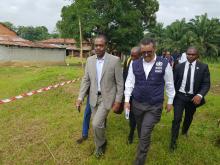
43, 128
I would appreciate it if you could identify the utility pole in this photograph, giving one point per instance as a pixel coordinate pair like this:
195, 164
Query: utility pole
81, 45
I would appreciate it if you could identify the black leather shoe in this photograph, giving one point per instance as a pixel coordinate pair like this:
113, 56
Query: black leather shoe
101, 150
103, 147
173, 146
98, 153
130, 139
80, 140
185, 134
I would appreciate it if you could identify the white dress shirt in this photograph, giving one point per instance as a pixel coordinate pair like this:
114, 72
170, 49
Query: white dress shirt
182, 58
99, 66
168, 78
183, 84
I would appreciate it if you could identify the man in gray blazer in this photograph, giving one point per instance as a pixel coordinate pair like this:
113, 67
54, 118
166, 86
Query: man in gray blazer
103, 78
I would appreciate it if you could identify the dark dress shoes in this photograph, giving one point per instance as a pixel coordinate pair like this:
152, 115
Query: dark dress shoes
100, 151
173, 146
83, 138
130, 139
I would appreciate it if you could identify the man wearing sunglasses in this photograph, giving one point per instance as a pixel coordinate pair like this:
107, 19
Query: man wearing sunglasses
192, 82
146, 79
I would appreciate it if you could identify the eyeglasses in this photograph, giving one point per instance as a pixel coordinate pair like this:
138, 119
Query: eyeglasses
147, 52
191, 54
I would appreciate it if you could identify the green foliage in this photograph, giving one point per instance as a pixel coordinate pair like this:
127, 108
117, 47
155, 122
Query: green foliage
207, 33
69, 25
123, 22
202, 32
33, 33
54, 35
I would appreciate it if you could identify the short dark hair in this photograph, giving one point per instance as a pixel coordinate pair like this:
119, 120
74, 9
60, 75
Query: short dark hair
147, 41
103, 37
193, 47
164, 50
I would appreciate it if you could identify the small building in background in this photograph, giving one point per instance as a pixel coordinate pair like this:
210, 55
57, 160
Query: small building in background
14, 49
71, 46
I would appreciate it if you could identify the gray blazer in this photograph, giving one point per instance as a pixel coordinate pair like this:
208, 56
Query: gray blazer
111, 83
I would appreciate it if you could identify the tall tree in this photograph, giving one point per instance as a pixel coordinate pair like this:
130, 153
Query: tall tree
158, 33
69, 25
123, 22
41, 33
33, 33
207, 34
175, 35
201, 32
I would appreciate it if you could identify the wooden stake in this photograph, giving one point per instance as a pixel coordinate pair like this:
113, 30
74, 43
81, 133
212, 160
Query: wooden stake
81, 46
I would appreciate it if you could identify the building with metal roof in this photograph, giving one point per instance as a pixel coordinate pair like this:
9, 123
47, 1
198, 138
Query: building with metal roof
14, 49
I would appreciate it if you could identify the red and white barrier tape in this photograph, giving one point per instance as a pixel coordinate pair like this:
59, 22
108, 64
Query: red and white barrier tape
37, 91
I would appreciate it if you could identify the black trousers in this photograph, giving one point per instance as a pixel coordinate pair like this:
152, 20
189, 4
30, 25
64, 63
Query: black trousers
182, 102
132, 123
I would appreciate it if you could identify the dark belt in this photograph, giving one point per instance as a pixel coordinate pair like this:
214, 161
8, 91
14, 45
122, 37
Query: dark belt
186, 94
99, 93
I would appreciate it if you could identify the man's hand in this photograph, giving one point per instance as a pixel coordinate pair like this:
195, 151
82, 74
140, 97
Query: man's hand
127, 105
78, 104
196, 99
169, 107
116, 106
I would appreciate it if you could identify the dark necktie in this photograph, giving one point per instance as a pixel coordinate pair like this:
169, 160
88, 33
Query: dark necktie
187, 87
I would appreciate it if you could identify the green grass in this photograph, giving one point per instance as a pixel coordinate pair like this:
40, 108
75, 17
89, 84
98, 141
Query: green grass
34, 127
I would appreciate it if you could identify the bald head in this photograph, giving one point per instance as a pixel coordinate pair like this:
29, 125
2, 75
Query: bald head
135, 53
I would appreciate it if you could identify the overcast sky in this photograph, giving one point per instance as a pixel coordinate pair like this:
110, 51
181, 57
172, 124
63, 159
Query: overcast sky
171, 10
47, 12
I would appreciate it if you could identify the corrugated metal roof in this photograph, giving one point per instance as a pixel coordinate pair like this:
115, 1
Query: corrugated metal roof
9, 38
77, 48
61, 41
12, 38
68, 43
18, 41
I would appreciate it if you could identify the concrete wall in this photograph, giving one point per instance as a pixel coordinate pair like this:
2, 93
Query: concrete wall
25, 54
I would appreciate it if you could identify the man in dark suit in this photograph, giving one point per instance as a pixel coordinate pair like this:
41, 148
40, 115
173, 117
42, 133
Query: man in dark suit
135, 54
192, 82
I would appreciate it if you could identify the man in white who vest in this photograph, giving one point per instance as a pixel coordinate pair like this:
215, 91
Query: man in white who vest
146, 79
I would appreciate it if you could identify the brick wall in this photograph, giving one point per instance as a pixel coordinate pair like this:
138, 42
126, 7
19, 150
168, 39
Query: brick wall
6, 31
